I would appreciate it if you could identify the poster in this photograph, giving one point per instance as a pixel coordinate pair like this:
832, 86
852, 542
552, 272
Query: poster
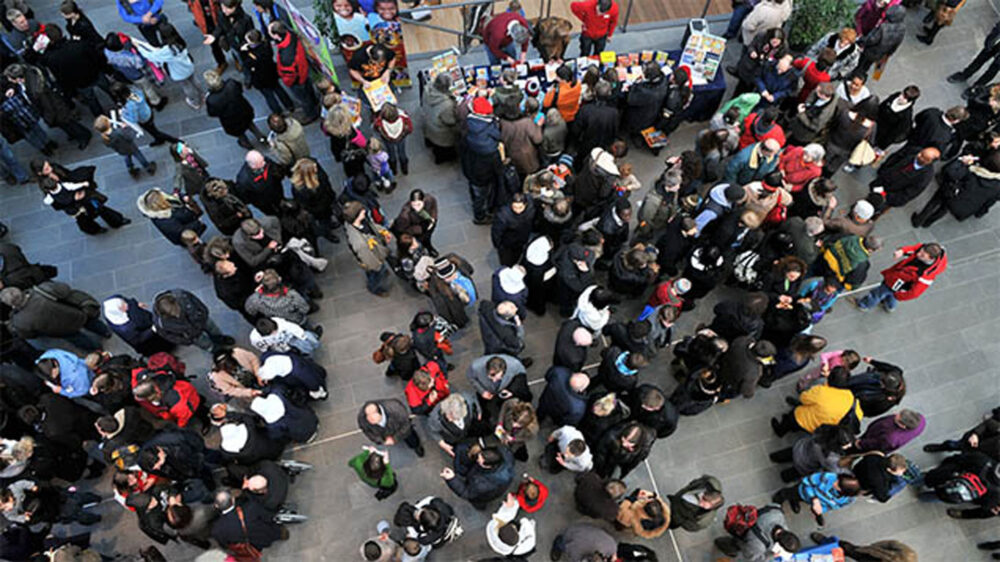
372, 21
312, 40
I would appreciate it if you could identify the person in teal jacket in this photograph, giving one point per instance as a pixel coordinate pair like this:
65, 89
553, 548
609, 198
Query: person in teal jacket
823, 491
65, 373
372, 467
753, 163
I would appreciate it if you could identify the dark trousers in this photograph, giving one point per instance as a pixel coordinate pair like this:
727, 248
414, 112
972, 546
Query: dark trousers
275, 95
218, 54
306, 95
441, 153
159, 137
590, 46
87, 221
88, 95
75, 131
151, 32
482, 200
789, 494
412, 440
935, 208
509, 256
984, 56
787, 424
549, 461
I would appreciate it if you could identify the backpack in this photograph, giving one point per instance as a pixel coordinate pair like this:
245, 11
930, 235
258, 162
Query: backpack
740, 519
965, 487
125, 457
850, 420
163, 361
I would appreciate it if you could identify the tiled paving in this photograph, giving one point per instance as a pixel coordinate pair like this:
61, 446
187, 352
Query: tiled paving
946, 341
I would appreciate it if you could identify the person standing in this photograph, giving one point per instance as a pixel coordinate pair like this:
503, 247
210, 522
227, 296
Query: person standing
598, 19
144, 14
387, 422
989, 52
882, 42
908, 278
370, 244
131, 107
50, 105
511, 229
182, 319
55, 310
227, 103
293, 68
75, 193
259, 57
481, 162
904, 176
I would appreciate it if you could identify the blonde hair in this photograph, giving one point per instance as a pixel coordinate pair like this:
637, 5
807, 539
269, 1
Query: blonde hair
375, 146
156, 200
331, 99
339, 121
305, 173
103, 126
848, 34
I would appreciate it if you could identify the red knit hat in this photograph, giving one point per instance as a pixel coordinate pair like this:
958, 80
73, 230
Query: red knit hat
482, 106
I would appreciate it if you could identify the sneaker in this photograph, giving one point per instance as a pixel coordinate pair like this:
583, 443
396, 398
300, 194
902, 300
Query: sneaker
320, 394
935, 448
954, 513
821, 521
134, 172
955, 78
318, 330
162, 104
925, 39
857, 303
244, 143
848, 168
193, 104
887, 308
527, 362
151, 170
80, 145
776, 427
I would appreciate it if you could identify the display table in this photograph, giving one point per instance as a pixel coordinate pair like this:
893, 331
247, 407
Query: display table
707, 97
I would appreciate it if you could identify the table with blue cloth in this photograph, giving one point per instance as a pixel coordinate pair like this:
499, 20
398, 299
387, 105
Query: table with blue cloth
707, 97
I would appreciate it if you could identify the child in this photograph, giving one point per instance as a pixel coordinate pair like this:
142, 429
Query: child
121, 139
394, 125
819, 294
352, 26
626, 183
378, 159
828, 361
531, 494
195, 248
372, 466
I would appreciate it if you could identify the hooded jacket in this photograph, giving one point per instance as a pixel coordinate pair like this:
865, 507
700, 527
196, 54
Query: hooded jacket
74, 374
690, 516
191, 323
478, 484
614, 372
173, 221
293, 68
886, 37
482, 134
419, 400
440, 118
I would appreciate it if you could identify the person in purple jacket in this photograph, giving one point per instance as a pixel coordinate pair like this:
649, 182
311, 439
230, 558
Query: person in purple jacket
891, 432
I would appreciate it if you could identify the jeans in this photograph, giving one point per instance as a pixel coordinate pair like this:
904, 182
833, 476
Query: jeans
306, 95
210, 336
881, 294
482, 199
138, 156
192, 91
740, 13
150, 90
37, 137
275, 95
590, 46
510, 49
375, 280
11, 166
397, 153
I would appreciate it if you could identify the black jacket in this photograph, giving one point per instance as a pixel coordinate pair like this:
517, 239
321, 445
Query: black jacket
929, 129
673, 247
227, 212
261, 530
134, 429
872, 472
477, 484
662, 421
739, 369
185, 454
231, 108
64, 422
900, 179
597, 123
625, 281
893, 126
609, 452
969, 190
611, 375
642, 105
592, 499
234, 290
406, 516
567, 353
74, 64
261, 188
732, 320
499, 335
189, 326
263, 70
17, 271
512, 230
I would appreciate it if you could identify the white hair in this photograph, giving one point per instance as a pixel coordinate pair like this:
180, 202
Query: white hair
814, 151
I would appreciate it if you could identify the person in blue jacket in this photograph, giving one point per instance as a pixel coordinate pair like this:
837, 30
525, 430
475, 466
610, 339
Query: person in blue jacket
267, 11
133, 324
291, 370
565, 396
481, 474
778, 81
65, 373
144, 14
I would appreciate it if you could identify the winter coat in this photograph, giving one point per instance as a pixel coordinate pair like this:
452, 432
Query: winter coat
482, 134
137, 331
609, 453
174, 221
186, 329
234, 290
971, 190
262, 187
397, 422
929, 129
808, 126
567, 354
752, 135
795, 170
252, 251
748, 165
758, 546
808, 457
901, 180
440, 428
732, 320
642, 105
284, 420
55, 310
739, 369
419, 400
597, 123
477, 484
73, 64
765, 15
261, 530
582, 540
50, 104
886, 37
893, 126
370, 246
232, 109
17, 271
780, 84
613, 373
227, 212
293, 66
825, 405
499, 335
285, 303
521, 138
321, 202
512, 230
846, 59
593, 500
185, 454
908, 278
559, 401
290, 146
292, 370
263, 70
626, 281
690, 516
440, 112
632, 516
178, 402
74, 374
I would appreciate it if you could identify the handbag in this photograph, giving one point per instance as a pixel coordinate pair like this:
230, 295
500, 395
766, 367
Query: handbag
244, 551
863, 155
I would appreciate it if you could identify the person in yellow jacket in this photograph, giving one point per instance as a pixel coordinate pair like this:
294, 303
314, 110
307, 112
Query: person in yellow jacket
827, 404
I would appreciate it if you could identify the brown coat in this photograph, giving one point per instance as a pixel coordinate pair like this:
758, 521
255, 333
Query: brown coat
631, 515
521, 138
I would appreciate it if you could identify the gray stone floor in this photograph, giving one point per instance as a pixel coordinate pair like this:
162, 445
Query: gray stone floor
945, 341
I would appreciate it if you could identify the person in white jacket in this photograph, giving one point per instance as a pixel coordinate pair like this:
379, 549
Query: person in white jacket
508, 537
766, 15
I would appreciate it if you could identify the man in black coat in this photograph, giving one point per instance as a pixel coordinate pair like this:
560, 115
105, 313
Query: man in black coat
905, 175
387, 422
598, 498
565, 396
177, 454
259, 183
935, 128
182, 319
743, 365
76, 66
511, 229
572, 343
574, 273
231, 29
260, 529
990, 50
675, 243
877, 474
61, 420
613, 225
625, 446
233, 284
17, 271
481, 474
129, 426
597, 121
649, 406
501, 329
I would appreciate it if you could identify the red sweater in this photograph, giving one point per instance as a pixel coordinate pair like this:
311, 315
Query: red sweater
495, 35
811, 76
905, 277
750, 137
595, 25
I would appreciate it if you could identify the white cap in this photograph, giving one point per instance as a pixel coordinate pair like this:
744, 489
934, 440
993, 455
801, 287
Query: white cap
234, 437
271, 407
863, 210
275, 366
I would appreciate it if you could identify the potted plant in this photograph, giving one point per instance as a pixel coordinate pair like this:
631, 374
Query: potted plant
812, 19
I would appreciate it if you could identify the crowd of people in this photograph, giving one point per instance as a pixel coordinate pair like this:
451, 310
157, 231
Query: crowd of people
750, 209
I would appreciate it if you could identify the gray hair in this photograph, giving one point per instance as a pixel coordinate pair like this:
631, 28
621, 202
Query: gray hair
212, 80
13, 14
814, 151
454, 407
12, 297
443, 82
224, 499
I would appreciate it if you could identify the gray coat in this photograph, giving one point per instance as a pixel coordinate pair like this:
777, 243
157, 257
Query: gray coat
808, 126
581, 539
252, 251
480, 379
757, 550
54, 310
440, 429
440, 118
370, 250
808, 457
290, 146
397, 421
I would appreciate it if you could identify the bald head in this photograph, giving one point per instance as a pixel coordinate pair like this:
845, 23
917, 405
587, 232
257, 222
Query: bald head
507, 309
579, 382
928, 155
582, 337
255, 159
772, 146
257, 484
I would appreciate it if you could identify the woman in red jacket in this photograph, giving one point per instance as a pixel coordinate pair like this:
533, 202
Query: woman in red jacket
908, 278
799, 165
428, 386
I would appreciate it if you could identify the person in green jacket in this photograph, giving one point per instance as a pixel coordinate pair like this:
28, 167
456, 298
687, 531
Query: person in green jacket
372, 466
